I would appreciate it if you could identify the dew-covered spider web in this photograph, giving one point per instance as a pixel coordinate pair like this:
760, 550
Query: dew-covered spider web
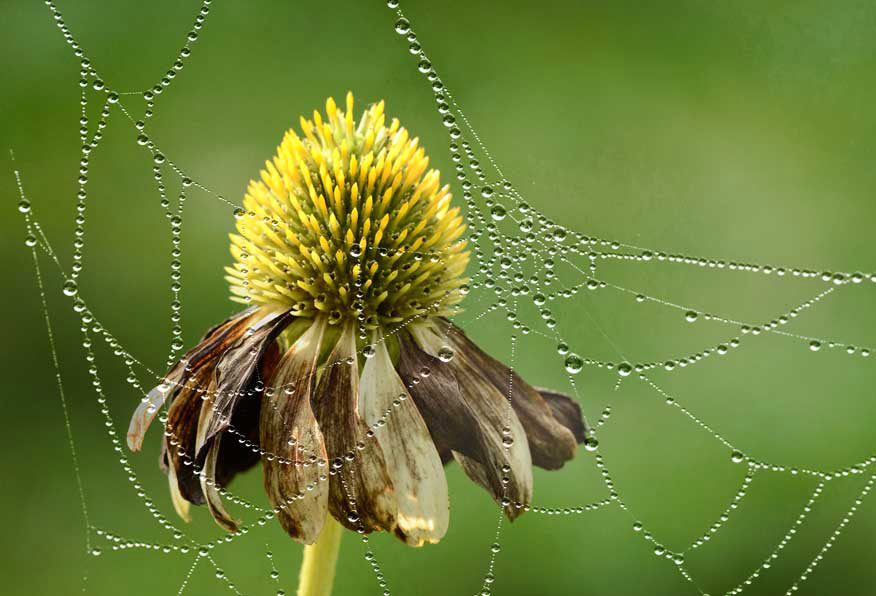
543, 288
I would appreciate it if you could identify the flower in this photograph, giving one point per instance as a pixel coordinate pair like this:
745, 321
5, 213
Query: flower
344, 376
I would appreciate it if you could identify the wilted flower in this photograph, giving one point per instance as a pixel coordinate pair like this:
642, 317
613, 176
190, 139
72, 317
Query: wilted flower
344, 376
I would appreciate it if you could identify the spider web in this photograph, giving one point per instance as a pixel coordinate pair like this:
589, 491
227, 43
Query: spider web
548, 286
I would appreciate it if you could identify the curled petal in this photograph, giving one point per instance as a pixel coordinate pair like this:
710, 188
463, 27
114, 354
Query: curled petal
181, 430
567, 412
207, 477
180, 504
295, 459
550, 442
235, 369
412, 461
363, 479
215, 341
145, 414
467, 416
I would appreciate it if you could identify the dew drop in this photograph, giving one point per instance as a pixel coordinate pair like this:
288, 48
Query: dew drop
445, 354
691, 316
737, 456
24, 206
402, 26
369, 351
624, 369
573, 364
498, 213
814, 345
70, 288
591, 444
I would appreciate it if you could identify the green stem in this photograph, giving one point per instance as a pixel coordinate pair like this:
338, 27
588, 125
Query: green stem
320, 559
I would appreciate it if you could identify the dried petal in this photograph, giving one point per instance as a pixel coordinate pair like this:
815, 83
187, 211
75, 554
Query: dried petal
182, 426
295, 451
234, 372
412, 461
213, 344
207, 478
567, 412
365, 480
550, 443
469, 416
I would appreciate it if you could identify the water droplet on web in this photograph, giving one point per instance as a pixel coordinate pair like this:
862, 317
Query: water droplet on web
70, 288
814, 345
369, 351
637, 526
737, 456
30, 240
24, 206
691, 316
624, 369
573, 364
591, 444
498, 213
496, 547
402, 26
487, 192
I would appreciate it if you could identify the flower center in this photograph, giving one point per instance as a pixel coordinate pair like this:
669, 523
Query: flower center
347, 222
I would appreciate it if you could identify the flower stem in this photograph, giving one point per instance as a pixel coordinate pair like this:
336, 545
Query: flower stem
320, 559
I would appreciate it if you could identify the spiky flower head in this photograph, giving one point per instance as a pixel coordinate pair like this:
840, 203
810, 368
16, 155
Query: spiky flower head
348, 221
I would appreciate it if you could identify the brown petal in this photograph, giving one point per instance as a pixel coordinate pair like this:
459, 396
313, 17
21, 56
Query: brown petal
467, 415
207, 477
365, 479
180, 504
412, 462
567, 412
214, 342
182, 426
294, 474
235, 370
235, 456
550, 443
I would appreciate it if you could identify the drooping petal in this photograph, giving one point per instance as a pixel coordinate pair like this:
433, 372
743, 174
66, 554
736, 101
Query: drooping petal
234, 372
213, 344
240, 443
412, 461
207, 477
550, 443
468, 416
295, 461
180, 504
567, 412
361, 487
181, 431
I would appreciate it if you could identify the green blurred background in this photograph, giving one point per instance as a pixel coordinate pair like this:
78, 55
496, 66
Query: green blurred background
739, 131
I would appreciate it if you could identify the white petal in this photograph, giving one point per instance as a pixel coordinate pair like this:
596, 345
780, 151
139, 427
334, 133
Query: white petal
412, 461
145, 414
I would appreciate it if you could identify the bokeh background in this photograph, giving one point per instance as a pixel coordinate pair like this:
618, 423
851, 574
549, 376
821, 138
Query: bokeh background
741, 131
